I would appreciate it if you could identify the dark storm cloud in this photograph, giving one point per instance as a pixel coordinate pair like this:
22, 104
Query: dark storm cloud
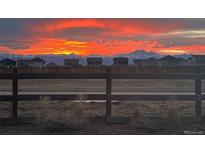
180, 41
15, 33
188, 23
14, 28
193, 23
20, 27
80, 33
15, 44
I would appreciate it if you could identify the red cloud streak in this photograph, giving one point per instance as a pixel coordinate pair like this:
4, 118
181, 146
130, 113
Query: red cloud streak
119, 36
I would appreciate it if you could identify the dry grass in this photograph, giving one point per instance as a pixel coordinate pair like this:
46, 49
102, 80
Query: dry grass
172, 118
170, 122
138, 114
138, 117
71, 119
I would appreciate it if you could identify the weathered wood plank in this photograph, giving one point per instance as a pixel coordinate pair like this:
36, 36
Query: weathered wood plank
61, 75
108, 93
198, 97
8, 76
103, 97
111, 75
153, 97
14, 103
61, 97
152, 76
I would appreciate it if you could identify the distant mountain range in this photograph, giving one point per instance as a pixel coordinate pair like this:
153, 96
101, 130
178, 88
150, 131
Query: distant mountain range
107, 60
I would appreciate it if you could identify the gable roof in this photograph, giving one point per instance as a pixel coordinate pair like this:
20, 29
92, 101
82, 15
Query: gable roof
52, 64
23, 60
152, 59
72, 59
7, 60
181, 59
37, 59
169, 58
94, 58
120, 58
139, 60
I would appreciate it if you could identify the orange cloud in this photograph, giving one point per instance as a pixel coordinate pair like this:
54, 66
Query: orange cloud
189, 49
114, 37
114, 26
60, 46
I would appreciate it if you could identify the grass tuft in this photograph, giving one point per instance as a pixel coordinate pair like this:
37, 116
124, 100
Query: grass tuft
172, 118
73, 118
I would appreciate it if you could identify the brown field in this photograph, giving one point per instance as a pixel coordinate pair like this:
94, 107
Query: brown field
60, 117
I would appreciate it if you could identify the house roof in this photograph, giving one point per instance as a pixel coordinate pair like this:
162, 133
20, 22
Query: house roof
120, 58
7, 60
23, 60
37, 59
94, 58
139, 60
151, 59
72, 59
52, 64
169, 58
181, 59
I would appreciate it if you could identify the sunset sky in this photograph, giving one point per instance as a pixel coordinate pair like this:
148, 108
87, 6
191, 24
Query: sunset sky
101, 36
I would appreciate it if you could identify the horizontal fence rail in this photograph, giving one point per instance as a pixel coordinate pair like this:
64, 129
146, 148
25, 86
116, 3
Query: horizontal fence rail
107, 73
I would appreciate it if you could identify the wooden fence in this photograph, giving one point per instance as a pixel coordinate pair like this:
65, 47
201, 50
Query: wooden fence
108, 74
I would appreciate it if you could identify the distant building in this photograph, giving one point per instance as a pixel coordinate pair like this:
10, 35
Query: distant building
120, 61
7, 63
71, 62
37, 62
139, 62
184, 62
94, 61
198, 60
52, 65
151, 62
23, 63
169, 61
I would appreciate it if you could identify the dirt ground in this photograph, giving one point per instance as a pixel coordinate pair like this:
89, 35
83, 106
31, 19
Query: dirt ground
87, 117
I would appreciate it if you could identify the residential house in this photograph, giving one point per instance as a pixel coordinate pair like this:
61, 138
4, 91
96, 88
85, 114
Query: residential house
94, 61
37, 62
184, 62
7, 63
52, 65
120, 61
23, 63
139, 62
169, 61
198, 60
151, 62
71, 62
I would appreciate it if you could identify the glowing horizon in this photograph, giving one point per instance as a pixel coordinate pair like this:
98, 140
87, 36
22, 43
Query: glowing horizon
101, 36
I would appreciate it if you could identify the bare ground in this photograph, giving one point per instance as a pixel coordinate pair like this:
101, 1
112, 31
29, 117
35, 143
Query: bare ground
144, 117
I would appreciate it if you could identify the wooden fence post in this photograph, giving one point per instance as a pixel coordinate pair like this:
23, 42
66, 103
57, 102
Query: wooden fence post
198, 97
14, 104
108, 92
